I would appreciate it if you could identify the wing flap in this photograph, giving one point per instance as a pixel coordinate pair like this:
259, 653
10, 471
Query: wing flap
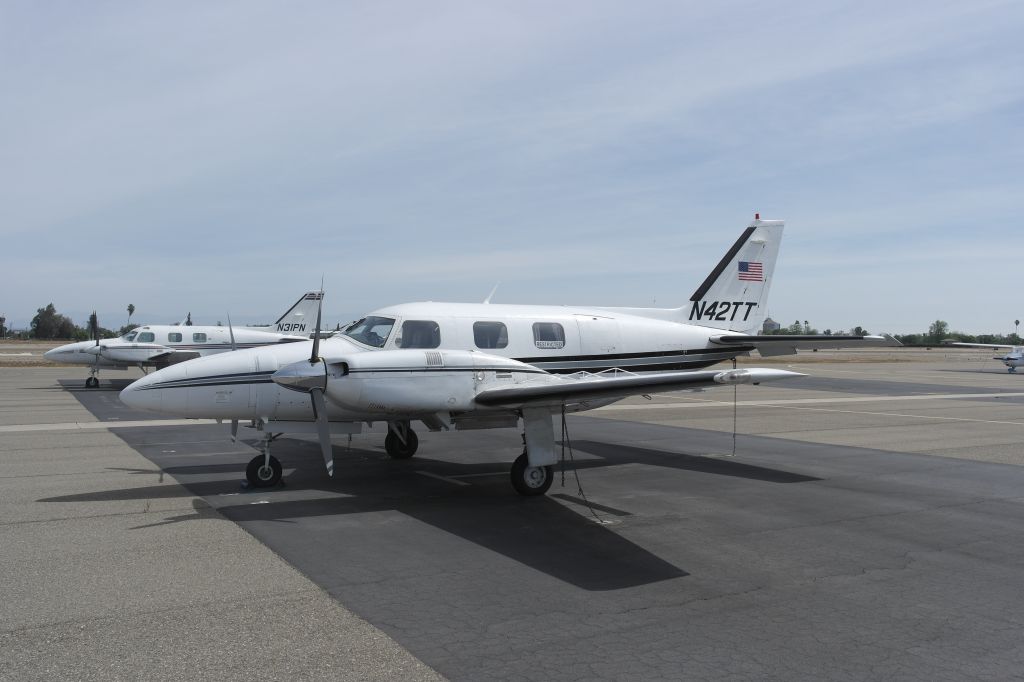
575, 389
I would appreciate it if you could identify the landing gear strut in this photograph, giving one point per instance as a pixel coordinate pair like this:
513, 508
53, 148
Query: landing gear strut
401, 441
530, 481
264, 471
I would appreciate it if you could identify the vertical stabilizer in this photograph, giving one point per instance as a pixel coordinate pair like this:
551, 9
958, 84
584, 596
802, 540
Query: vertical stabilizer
734, 296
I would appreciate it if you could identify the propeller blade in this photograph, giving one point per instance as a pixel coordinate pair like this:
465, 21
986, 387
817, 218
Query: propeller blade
323, 429
316, 335
234, 430
231, 331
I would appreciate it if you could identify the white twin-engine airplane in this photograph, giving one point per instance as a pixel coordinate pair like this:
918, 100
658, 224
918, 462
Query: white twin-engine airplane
157, 345
1012, 360
486, 366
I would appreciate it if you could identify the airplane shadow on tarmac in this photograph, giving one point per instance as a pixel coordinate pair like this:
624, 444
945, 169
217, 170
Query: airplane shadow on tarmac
470, 500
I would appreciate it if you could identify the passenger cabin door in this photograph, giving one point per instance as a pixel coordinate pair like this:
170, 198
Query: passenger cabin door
598, 335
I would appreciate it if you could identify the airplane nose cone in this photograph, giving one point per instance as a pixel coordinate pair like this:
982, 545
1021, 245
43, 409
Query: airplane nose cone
60, 353
142, 394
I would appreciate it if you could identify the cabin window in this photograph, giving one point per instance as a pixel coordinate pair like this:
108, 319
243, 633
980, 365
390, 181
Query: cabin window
146, 337
174, 337
419, 334
490, 334
199, 337
548, 335
373, 331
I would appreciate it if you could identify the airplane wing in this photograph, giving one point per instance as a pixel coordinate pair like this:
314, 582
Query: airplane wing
789, 344
993, 346
592, 387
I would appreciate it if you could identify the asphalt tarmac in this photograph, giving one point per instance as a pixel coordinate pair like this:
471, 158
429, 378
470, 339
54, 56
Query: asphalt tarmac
866, 523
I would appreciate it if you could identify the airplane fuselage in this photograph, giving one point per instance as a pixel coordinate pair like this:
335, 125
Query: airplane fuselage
160, 345
557, 339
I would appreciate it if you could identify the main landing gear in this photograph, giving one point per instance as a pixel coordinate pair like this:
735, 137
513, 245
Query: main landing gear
264, 470
93, 381
530, 481
401, 441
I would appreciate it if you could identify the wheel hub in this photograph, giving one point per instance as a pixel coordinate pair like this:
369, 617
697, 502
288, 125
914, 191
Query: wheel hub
535, 476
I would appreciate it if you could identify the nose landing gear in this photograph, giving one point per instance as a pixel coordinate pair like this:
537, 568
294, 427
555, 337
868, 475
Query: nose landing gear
264, 470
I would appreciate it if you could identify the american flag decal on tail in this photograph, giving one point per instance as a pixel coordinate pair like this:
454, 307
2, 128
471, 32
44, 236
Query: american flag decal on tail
751, 271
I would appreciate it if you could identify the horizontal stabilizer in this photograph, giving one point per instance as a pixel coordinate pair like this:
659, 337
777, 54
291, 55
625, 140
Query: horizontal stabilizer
789, 344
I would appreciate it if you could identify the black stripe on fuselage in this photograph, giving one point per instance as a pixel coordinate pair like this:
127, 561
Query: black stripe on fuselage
214, 380
265, 377
673, 360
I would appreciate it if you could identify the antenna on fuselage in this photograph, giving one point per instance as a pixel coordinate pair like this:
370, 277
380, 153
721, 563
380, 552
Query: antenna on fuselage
487, 300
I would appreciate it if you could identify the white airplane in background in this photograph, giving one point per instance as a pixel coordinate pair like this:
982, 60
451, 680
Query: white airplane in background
472, 366
1012, 360
158, 345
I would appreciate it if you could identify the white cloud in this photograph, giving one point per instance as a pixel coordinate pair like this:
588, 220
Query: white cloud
589, 152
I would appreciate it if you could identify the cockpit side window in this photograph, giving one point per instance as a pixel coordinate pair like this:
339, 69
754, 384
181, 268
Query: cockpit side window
373, 331
490, 335
199, 337
129, 337
174, 337
420, 334
146, 337
548, 335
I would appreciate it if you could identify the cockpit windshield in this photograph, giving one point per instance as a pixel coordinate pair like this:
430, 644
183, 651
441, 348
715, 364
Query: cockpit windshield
373, 331
130, 336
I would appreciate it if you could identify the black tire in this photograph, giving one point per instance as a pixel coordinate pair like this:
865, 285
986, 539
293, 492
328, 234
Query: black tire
260, 476
92, 382
395, 447
530, 481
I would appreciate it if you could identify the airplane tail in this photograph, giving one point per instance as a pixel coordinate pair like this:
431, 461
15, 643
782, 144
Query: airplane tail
301, 317
734, 296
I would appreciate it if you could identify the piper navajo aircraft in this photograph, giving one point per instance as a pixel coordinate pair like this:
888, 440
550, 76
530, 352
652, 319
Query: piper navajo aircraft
487, 366
1012, 360
162, 345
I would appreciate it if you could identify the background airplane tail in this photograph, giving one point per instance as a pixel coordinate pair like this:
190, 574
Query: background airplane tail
734, 296
301, 317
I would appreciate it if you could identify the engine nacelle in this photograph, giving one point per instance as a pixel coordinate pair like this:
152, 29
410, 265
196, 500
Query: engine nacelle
411, 381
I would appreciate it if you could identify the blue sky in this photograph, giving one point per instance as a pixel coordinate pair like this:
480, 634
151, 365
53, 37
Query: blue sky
221, 157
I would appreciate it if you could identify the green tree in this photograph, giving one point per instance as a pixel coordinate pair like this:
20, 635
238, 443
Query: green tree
49, 324
131, 311
860, 331
938, 330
